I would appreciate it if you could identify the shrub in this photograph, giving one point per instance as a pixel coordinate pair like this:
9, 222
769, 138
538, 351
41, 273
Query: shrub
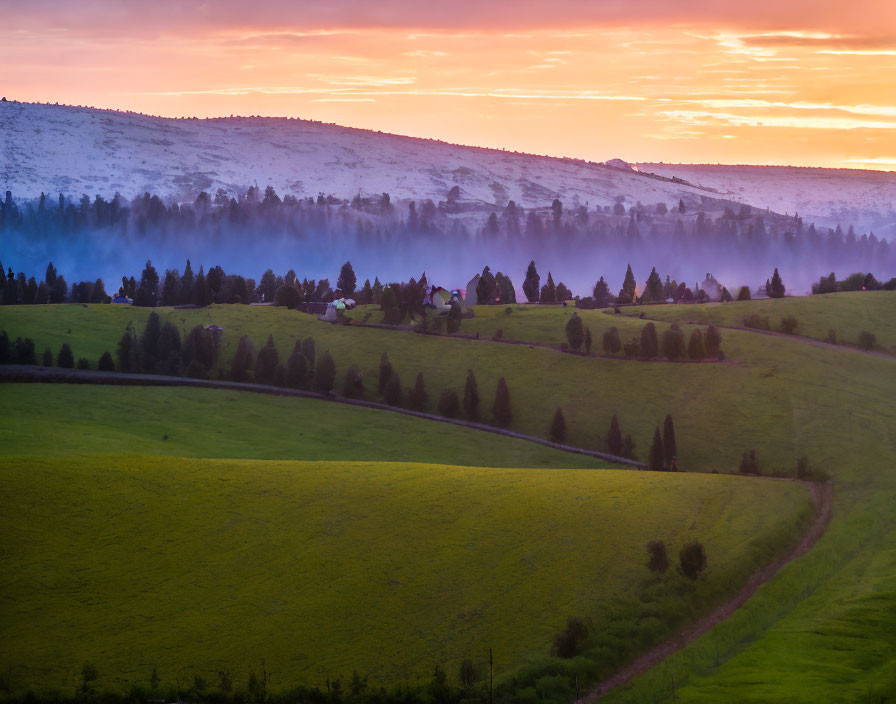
696, 350
557, 431
614, 438
632, 348
83, 363
5, 348
649, 343
449, 403
670, 448
471, 396
386, 373
628, 448
499, 334
508, 310
297, 368
655, 456
127, 351
353, 387
575, 332
789, 324
47, 357
106, 364
24, 351
867, 340
325, 374
744, 293
266, 363
417, 397
756, 321
712, 342
392, 391
568, 642
693, 559
659, 559
242, 359
501, 408
611, 343
748, 463
802, 468
673, 343
588, 341
288, 296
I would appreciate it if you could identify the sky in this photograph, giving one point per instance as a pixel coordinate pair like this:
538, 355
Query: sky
795, 82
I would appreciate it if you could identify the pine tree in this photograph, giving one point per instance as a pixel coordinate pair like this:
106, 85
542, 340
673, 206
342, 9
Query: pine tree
105, 363
325, 374
744, 293
242, 360
712, 341
449, 403
670, 449
655, 458
47, 358
501, 408
471, 396
628, 448
386, 373
549, 291
297, 368
601, 294
308, 351
653, 291
365, 296
169, 350
611, 342
486, 289
347, 280
575, 332
776, 288
614, 438
627, 292
377, 290
148, 353
530, 285
186, 285
266, 363
673, 343
127, 351
417, 397
65, 359
557, 432
392, 391
148, 292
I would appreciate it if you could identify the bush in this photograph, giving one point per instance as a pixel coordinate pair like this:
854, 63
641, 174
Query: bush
568, 642
417, 397
24, 351
789, 324
748, 463
575, 332
712, 342
693, 560
471, 396
386, 373
5, 349
614, 438
83, 363
696, 349
673, 343
611, 343
501, 408
649, 344
557, 431
756, 321
392, 391
353, 386
659, 559
47, 358
867, 340
744, 293
632, 348
288, 296
106, 363
449, 403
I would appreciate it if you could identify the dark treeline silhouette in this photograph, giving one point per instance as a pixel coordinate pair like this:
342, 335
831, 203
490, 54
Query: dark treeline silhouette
246, 232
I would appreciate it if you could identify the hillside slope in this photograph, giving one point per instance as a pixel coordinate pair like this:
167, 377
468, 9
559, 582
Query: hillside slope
48, 148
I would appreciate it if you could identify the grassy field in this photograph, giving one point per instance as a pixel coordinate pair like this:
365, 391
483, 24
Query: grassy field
320, 568
827, 623
847, 314
57, 419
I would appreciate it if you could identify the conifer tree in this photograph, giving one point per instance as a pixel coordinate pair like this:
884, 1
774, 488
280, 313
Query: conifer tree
47, 357
417, 397
186, 285
471, 396
653, 291
601, 294
575, 332
449, 403
501, 408
127, 351
347, 280
266, 363
365, 296
744, 293
670, 449
243, 359
148, 353
712, 341
557, 432
377, 291
297, 368
655, 458
353, 387
588, 341
392, 391
106, 363
386, 373
649, 343
775, 289
65, 359
628, 447
696, 350
611, 342
169, 349
531, 284
614, 437
308, 351
627, 292
325, 374
673, 343
549, 291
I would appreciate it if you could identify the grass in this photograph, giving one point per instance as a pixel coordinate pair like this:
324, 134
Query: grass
823, 628
56, 419
320, 568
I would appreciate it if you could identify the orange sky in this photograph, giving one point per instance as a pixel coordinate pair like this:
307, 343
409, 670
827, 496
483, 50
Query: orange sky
775, 82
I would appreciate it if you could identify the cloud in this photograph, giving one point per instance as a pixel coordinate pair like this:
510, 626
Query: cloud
698, 118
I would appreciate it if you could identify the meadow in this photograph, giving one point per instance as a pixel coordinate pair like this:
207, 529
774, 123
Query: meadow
826, 623
195, 566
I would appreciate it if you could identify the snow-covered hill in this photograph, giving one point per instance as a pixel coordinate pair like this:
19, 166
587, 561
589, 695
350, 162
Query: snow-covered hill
47, 148
865, 199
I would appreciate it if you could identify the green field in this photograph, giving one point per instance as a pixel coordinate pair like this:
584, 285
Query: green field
321, 568
825, 627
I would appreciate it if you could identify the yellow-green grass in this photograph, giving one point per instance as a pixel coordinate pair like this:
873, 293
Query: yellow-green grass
785, 398
195, 566
847, 314
57, 419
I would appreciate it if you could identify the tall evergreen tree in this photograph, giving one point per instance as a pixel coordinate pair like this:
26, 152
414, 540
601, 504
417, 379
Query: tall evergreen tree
501, 408
148, 291
106, 363
127, 351
575, 332
653, 290
487, 288
325, 374
614, 438
776, 288
670, 449
365, 295
266, 363
386, 373
243, 360
169, 350
471, 396
601, 294
649, 342
308, 351
392, 391
297, 368
531, 284
65, 359
186, 286
588, 341
611, 342
549, 291
712, 341
696, 349
347, 281
655, 458
148, 353
557, 431
353, 386
627, 292
417, 397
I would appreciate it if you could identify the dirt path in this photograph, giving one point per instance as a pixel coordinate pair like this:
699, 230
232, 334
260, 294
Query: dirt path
822, 500
24, 373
